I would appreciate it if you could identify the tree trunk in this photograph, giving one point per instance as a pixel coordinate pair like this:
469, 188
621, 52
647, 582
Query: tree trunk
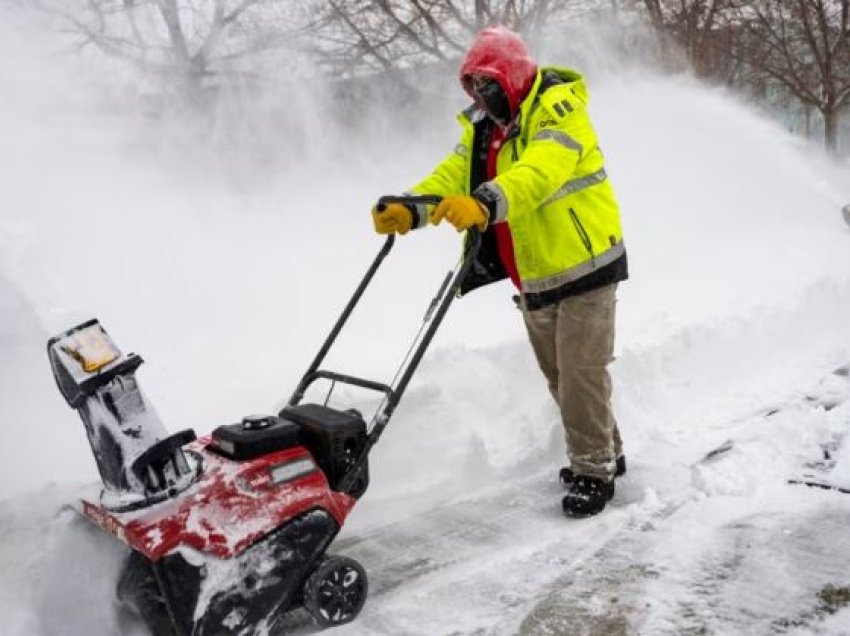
807, 114
830, 130
480, 18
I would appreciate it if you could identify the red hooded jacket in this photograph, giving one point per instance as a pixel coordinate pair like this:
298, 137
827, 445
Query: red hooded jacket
500, 54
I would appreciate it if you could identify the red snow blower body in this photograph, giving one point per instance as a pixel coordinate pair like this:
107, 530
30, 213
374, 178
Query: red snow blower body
229, 532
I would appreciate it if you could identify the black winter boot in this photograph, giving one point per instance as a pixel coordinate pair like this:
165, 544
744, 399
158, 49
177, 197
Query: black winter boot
587, 496
566, 474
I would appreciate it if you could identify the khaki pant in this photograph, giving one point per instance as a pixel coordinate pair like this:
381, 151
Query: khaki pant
574, 343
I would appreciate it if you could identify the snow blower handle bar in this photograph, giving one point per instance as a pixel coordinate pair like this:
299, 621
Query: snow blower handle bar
313, 372
434, 316
408, 199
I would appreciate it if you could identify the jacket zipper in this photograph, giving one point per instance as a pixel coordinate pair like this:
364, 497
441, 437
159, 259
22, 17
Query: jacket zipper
513, 135
583, 235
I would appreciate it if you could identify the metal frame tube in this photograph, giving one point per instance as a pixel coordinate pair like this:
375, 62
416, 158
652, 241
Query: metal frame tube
311, 375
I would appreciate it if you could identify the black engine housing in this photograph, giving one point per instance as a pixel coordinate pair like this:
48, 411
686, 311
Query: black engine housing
334, 438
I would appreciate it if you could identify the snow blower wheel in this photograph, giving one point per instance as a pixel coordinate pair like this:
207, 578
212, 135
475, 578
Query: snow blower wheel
335, 592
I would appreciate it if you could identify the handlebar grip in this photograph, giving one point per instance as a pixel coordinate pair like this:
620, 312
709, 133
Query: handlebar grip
407, 199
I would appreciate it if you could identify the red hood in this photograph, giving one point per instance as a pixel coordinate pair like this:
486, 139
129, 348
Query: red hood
499, 53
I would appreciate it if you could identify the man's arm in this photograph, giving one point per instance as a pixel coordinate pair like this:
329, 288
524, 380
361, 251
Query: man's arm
557, 142
449, 177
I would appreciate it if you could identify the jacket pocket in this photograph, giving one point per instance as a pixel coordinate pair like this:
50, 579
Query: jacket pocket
583, 235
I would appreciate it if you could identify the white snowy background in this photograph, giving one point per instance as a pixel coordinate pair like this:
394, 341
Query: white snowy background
734, 335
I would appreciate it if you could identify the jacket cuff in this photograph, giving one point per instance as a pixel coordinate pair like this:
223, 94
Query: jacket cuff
491, 195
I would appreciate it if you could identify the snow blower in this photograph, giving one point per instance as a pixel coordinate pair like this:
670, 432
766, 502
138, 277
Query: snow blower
229, 532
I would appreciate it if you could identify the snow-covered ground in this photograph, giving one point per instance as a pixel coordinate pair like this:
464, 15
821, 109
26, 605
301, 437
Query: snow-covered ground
731, 373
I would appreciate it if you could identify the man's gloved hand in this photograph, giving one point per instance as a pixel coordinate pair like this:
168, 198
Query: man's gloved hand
461, 211
395, 217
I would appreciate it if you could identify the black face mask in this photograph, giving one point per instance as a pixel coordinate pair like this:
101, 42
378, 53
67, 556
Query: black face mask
493, 100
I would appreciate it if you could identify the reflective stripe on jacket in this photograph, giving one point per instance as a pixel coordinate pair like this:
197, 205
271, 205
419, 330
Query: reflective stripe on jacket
551, 188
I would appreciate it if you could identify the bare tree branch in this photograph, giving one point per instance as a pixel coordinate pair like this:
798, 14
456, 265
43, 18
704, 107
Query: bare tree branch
192, 41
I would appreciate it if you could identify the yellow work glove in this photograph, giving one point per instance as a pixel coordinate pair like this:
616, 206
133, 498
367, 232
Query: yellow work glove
395, 217
461, 211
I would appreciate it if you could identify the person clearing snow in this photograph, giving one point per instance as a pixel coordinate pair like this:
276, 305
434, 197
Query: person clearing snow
528, 172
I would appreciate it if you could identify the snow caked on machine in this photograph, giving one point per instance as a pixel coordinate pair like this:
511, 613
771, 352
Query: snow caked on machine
229, 532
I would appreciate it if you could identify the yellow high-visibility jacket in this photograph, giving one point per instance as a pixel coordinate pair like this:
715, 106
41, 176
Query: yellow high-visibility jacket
551, 188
